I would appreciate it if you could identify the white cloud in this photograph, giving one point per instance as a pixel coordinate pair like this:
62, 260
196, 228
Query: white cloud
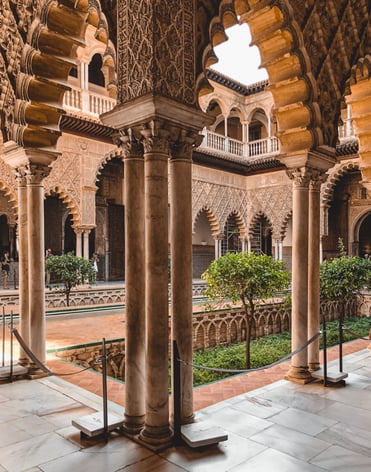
237, 59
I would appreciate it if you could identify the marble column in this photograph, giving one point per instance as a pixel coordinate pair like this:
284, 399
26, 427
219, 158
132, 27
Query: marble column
36, 260
298, 371
156, 432
85, 236
313, 268
78, 243
134, 286
24, 314
181, 266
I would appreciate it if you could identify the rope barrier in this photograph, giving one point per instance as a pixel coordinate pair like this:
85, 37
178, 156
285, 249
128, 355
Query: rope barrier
242, 371
355, 334
38, 363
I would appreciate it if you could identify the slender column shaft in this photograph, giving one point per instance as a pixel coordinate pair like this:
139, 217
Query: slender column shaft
157, 428
181, 270
86, 243
299, 324
313, 271
36, 260
134, 289
78, 244
24, 322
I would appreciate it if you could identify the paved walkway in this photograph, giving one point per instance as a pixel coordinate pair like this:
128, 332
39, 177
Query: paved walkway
62, 331
282, 427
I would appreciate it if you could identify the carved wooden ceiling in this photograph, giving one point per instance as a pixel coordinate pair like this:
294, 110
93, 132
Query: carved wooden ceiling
309, 48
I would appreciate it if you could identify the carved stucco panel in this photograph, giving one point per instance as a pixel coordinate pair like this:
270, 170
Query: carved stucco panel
65, 176
274, 202
156, 49
88, 207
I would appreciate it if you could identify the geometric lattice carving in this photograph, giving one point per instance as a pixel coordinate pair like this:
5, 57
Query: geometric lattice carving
221, 201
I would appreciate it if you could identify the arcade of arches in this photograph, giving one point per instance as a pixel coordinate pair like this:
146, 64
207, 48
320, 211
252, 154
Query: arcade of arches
130, 146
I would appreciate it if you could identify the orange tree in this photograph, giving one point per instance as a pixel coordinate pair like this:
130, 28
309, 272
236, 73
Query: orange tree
70, 270
245, 277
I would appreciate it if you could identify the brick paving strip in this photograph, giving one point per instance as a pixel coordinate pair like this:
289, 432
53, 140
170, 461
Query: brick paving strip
64, 332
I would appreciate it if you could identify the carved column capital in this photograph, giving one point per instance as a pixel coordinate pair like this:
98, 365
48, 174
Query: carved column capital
300, 176
35, 174
183, 145
155, 138
21, 176
317, 178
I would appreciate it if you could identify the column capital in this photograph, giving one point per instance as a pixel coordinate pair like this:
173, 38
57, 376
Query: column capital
21, 176
182, 145
131, 147
155, 137
35, 173
317, 178
300, 176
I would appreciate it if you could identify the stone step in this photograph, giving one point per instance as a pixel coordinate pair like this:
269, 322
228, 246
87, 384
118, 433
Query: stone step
93, 425
202, 434
333, 375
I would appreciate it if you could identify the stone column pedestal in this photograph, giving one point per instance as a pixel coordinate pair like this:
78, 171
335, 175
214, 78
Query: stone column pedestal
134, 287
36, 263
156, 432
298, 371
181, 267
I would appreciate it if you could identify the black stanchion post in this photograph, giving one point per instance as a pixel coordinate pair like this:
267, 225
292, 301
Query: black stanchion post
11, 347
3, 353
176, 395
104, 384
324, 351
341, 340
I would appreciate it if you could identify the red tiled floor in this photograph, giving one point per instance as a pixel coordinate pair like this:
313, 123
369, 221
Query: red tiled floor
61, 332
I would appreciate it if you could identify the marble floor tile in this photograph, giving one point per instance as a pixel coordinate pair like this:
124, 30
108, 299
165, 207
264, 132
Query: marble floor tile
274, 461
238, 422
153, 464
302, 421
350, 437
339, 459
306, 401
34, 452
347, 414
103, 457
217, 458
258, 406
286, 440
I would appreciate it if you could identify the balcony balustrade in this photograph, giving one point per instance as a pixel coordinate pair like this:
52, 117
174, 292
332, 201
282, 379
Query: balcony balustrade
87, 102
223, 144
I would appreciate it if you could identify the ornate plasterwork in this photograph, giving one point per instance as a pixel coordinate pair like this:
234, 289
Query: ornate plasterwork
156, 50
221, 201
308, 48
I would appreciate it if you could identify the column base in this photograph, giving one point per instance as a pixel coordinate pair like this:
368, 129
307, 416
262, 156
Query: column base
35, 373
313, 366
23, 361
300, 375
156, 438
132, 425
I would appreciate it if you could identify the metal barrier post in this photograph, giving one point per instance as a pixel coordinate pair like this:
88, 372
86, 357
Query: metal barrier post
341, 340
104, 385
176, 395
3, 346
11, 347
324, 352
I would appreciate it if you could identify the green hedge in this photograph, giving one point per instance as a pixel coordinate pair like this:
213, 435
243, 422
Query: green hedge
265, 350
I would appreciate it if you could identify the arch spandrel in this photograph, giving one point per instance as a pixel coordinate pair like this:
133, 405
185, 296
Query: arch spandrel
39, 44
308, 50
360, 103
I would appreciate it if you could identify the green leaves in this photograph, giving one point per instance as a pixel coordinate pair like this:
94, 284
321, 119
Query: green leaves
70, 270
344, 277
245, 276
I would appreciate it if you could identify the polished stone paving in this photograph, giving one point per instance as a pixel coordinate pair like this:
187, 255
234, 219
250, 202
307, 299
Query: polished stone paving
282, 427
